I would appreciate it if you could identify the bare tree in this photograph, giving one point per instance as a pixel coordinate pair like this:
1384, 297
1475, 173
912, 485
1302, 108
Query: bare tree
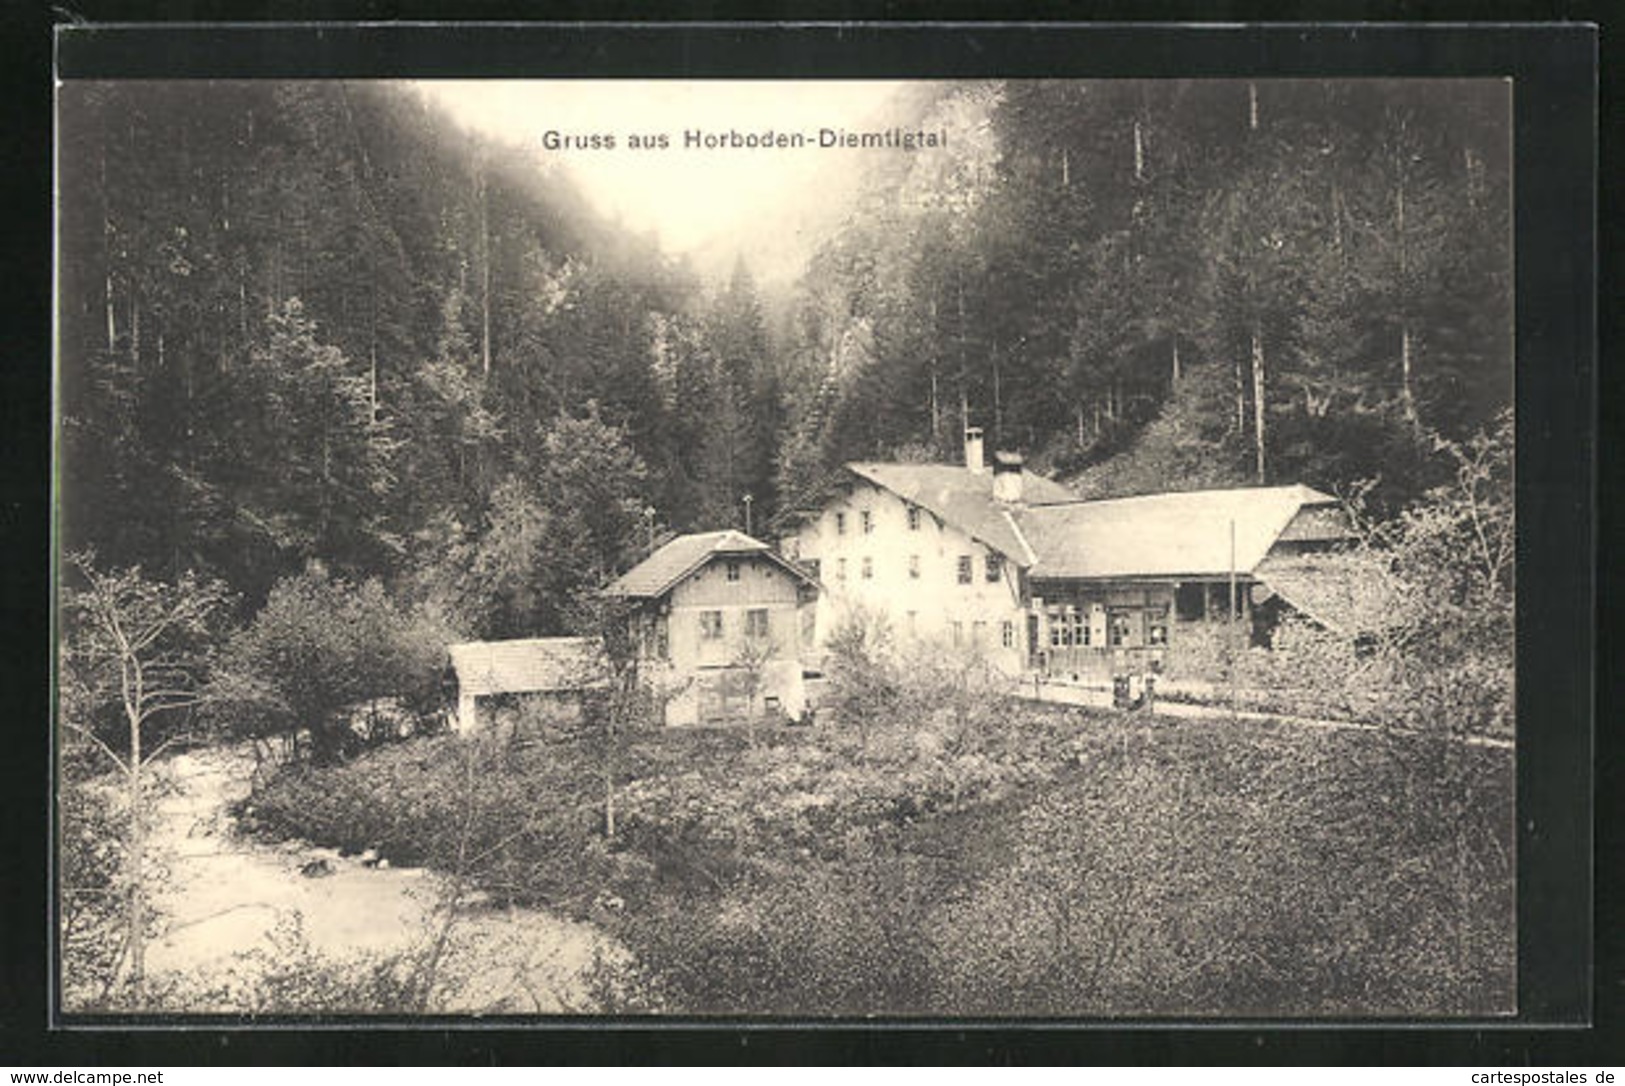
141, 646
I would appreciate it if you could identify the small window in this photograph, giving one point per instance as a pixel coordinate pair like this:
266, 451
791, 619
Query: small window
1156, 626
756, 623
840, 569
913, 518
733, 571
964, 569
995, 567
868, 519
1007, 634
840, 523
710, 625
868, 568
914, 566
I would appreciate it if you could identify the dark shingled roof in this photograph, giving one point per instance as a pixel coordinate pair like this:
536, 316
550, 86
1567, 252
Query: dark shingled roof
1163, 535
666, 567
965, 499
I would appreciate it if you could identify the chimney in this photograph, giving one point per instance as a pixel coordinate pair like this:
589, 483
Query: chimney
1007, 477
973, 450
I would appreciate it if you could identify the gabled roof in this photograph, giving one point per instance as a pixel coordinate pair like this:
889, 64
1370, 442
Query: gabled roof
669, 565
527, 666
1163, 535
964, 499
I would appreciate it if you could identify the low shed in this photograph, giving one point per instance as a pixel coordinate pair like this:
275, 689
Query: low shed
557, 668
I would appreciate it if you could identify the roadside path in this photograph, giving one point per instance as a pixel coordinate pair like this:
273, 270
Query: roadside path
1101, 698
225, 898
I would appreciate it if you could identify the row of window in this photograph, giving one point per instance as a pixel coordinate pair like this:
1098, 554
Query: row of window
1123, 629
964, 571
866, 520
978, 631
712, 624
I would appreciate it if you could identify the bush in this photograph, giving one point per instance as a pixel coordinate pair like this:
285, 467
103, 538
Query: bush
319, 647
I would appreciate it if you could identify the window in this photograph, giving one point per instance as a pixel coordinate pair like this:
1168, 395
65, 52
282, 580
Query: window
1190, 602
913, 518
914, 566
1122, 628
840, 569
1060, 632
1080, 629
840, 523
812, 567
964, 569
1007, 634
978, 632
756, 623
868, 519
995, 567
956, 630
1156, 626
868, 568
710, 625
733, 571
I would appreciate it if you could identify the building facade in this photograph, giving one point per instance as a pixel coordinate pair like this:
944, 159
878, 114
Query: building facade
720, 624
1017, 568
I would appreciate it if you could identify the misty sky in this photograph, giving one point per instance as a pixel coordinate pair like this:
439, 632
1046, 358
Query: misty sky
687, 197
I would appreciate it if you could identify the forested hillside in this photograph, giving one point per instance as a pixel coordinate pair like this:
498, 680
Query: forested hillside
319, 321
1171, 284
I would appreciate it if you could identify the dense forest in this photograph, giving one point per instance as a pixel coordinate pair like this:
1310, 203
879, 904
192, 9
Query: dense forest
322, 322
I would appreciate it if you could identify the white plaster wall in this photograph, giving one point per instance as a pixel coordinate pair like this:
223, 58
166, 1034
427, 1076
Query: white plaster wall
935, 598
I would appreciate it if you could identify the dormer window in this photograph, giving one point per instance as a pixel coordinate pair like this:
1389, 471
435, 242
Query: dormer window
868, 520
733, 571
995, 567
840, 523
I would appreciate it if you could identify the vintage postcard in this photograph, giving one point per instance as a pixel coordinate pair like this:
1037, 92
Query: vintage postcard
950, 549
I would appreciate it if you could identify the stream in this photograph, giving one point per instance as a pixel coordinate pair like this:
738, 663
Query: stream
223, 903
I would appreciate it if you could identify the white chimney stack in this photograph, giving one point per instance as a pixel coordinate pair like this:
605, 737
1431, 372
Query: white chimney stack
1007, 477
973, 450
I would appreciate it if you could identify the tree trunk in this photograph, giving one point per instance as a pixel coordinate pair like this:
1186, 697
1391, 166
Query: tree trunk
485, 276
1176, 360
136, 907
1139, 152
1252, 106
1258, 398
1407, 396
1241, 398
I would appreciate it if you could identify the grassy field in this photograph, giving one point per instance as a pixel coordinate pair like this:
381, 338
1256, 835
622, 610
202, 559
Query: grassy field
1032, 861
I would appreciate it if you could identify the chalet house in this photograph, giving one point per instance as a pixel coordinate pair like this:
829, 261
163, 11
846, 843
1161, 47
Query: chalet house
493, 677
1018, 568
720, 622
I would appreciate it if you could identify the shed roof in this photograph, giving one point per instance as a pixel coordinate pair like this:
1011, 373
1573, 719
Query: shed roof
964, 499
667, 566
527, 666
1348, 593
1162, 535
